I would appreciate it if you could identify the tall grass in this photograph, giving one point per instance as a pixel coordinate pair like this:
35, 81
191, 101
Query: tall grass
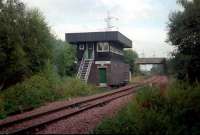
42, 88
28, 94
151, 112
73, 87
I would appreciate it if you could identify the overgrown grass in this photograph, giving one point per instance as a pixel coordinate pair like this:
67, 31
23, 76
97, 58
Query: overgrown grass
151, 113
73, 87
42, 88
136, 79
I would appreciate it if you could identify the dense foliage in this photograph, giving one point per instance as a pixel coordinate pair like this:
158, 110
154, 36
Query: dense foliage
64, 58
26, 45
152, 113
41, 89
130, 56
25, 42
184, 33
158, 69
34, 65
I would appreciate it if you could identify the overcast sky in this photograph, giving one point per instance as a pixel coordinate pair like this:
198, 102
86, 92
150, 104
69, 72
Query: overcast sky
142, 21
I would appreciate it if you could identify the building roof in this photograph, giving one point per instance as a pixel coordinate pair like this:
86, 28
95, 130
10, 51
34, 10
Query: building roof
150, 61
99, 37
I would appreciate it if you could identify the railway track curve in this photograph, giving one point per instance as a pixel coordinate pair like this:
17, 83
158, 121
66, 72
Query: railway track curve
27, 124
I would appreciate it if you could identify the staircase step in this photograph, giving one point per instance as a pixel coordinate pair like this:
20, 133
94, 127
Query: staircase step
83, 73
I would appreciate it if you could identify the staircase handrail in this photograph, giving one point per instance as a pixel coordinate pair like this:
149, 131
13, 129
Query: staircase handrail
89, 67
80, 70
88, 70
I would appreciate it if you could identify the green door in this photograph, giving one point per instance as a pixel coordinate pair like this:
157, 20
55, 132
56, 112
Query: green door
102, 75
89, 51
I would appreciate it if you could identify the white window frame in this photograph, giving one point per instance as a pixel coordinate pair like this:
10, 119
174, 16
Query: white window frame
81, 47
104, 47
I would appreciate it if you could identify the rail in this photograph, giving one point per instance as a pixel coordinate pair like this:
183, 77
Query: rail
18, 125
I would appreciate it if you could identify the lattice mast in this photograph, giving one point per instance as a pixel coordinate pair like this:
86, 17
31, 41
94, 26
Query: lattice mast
108, 20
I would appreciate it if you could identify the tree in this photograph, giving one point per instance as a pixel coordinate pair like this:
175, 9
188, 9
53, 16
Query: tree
38, 40
184, 33
157, 69
25, 42
64, 58
129, 58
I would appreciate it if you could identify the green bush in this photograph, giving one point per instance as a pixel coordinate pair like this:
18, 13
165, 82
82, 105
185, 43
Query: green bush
40, 89
2, 112
28, 94
72, 87
176, 113
29, 45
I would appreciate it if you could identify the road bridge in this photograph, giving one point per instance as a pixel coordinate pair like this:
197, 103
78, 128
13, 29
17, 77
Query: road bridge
152, 61
145, 61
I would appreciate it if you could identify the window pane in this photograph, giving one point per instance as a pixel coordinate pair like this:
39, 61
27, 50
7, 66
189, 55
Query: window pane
103, 47
100, 46
106, 47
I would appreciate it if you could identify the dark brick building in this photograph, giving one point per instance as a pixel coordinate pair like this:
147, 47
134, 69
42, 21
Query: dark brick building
100, 57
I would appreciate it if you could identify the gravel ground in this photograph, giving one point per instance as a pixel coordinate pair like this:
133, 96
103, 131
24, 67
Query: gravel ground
85, 122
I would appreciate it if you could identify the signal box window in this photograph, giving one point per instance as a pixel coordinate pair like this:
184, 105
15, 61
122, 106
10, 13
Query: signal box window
103, 47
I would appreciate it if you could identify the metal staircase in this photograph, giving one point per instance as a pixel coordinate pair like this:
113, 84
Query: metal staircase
84, 69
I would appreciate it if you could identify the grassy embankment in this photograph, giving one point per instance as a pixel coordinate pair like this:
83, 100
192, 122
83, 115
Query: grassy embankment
176, 112
136, 79
40, 89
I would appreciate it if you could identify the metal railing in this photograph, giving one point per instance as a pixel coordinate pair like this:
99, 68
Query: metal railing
81, 67
88, 70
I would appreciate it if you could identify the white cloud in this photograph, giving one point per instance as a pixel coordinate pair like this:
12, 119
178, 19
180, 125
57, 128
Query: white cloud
149, 41
143, 21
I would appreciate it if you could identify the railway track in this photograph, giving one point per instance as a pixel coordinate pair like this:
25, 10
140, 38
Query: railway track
27, 124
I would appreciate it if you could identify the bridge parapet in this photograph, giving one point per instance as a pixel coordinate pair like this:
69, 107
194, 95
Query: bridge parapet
143, 61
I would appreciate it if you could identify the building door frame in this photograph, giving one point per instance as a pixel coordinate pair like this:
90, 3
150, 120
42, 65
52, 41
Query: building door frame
102, 73
89, 52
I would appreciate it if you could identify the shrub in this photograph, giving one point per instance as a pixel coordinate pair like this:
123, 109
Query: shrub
72, 87
176, 113
184, 102
28, 94
150, 98
64, 57
29, 45
2, 112
40, 89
